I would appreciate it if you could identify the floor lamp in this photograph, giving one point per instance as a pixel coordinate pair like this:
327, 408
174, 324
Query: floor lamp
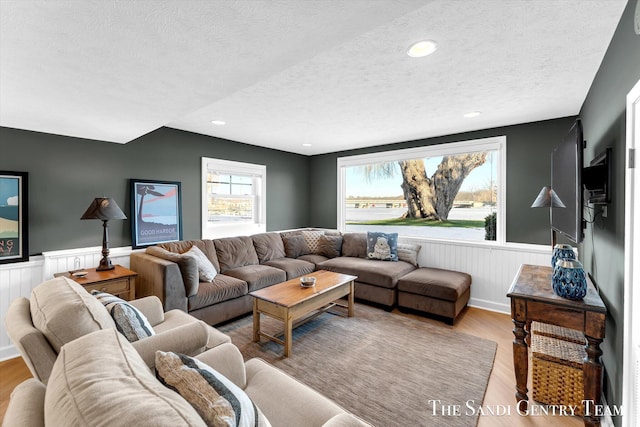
104, 208
548, 199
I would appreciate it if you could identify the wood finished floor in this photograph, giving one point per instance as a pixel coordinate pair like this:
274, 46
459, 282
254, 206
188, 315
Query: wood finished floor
473, 321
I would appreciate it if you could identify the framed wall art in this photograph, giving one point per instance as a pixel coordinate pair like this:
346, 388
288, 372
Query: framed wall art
14, 216
156, 212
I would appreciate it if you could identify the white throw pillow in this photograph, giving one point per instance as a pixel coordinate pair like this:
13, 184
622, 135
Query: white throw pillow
206, 270
129, 320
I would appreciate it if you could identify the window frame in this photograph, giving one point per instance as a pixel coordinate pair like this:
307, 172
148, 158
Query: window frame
232, 228
494, 143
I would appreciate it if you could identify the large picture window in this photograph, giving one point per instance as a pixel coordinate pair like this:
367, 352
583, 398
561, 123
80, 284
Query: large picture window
449, 191
233, 199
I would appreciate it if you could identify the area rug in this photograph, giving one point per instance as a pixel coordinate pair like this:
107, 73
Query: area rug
388, 369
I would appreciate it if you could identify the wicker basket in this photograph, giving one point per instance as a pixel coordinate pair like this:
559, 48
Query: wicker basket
557, 374
558, 332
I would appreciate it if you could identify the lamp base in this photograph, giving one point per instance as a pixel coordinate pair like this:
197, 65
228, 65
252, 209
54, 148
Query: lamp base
105, 264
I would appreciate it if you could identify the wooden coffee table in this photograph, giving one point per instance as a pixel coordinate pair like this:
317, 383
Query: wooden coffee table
294, 305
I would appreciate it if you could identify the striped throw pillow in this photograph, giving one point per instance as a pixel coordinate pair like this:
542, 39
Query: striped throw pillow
129, 320
216, 398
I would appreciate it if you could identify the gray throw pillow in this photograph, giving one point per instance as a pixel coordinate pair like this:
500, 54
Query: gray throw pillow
188, 266
295, 246
330, 246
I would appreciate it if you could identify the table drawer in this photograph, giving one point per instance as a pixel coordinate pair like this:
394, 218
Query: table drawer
114, 287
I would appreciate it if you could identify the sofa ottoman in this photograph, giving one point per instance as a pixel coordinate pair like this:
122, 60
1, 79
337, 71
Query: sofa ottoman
435, 291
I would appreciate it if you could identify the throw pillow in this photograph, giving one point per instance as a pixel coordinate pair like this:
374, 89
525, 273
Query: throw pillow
330, 246
216, 398
382, 246
188, 266
312, 237
409, 253
354, 245
295, 246
206, 271
129, 320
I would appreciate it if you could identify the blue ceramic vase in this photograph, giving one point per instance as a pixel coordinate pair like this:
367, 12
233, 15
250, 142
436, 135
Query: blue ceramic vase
562, 252
569, 280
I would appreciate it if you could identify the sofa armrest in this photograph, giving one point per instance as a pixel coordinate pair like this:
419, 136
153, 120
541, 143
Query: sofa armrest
189, 339
226, 359
26, 407
159, 277
151, 307
36, 351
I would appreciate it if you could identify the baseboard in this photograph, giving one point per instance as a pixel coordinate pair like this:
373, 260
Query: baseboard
490, 305
8, 352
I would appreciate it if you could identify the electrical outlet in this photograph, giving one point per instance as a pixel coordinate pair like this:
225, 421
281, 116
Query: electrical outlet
604, 211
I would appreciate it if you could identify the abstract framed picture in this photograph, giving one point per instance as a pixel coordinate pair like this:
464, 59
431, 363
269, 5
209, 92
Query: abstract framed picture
156, 212
14, 216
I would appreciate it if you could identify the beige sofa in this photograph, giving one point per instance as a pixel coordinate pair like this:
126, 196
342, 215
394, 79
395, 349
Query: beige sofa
248, 263
60, 310
100, 379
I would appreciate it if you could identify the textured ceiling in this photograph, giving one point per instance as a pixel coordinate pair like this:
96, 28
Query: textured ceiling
282, 73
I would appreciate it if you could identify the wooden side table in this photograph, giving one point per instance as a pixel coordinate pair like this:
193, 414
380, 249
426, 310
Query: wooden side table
120, 281
532, 299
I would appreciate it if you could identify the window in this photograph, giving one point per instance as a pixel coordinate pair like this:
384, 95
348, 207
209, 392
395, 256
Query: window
446, 191
233, 198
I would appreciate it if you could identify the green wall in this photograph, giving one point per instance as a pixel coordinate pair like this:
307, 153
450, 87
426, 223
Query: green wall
529, 149
65, 174
604, 124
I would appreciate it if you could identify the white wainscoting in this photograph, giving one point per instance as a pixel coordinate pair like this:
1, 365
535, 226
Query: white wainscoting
492, 268
17, 280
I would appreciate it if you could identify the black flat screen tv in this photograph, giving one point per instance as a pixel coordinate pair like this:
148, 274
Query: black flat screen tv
566, 181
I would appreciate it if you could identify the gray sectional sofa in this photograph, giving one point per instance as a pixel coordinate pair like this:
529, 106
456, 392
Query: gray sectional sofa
247, 263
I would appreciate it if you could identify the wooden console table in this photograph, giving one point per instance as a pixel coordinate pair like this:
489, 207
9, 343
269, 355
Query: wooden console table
532, 299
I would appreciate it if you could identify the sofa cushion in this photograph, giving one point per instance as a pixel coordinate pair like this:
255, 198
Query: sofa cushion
222, 288
379, 273
354, 245
446, 285
102, 377
216, 399
63, 310
293, 267
258, 276
234, 252
382, 246
268, 246
295, 246
330, 246
314, 259
409, 252
188, 266
206, 270
205, 245
129, 320
311, 237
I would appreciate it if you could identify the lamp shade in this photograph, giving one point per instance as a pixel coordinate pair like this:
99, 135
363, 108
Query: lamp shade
547, 199
104, 208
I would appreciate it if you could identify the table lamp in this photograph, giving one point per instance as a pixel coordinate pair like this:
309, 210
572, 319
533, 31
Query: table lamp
104, 208
548, 199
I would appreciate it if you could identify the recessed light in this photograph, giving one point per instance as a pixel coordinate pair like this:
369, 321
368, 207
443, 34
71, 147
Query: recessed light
472, 114
422, 48
306, 145
218, 122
